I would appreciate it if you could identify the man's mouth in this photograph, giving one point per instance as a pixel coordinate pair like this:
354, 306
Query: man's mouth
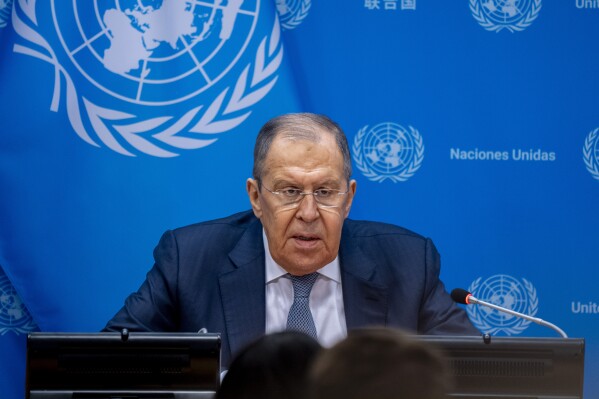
305, 238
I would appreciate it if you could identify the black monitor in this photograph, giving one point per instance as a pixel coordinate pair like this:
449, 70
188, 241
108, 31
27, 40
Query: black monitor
122, 365
512, 367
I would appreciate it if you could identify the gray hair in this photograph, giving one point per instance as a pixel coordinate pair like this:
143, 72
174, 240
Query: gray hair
301, 126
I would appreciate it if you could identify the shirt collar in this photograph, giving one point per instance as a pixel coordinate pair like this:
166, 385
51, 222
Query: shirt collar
274, 271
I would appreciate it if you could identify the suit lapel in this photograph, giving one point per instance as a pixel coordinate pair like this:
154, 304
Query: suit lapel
243, 291
365, 301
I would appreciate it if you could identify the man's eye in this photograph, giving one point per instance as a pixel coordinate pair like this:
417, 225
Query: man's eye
290, 192
324, 193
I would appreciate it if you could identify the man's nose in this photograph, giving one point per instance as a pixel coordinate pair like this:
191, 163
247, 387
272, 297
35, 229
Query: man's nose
308, 209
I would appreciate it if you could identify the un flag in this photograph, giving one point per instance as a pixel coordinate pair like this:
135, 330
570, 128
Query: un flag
120, 119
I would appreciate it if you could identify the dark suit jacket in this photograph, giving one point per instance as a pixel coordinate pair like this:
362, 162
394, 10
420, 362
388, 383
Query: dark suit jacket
211, 275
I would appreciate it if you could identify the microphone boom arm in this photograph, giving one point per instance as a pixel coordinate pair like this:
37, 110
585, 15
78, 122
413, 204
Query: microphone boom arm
476, 301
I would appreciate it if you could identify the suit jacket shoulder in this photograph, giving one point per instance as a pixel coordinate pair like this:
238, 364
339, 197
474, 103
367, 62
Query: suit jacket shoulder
208, 275
391, 277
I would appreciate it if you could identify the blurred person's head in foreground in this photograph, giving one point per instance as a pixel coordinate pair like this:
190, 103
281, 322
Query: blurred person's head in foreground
379, 363
274, 366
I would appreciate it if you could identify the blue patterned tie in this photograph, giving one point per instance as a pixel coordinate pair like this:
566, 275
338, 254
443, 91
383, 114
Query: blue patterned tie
300, 317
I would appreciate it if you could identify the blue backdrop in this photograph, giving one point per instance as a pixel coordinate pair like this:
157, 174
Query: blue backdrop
474, 122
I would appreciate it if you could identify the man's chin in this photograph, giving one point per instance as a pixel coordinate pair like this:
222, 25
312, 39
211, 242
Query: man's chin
299, 267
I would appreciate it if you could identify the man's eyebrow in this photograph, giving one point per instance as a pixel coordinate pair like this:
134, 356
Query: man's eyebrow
331, 182
284, 182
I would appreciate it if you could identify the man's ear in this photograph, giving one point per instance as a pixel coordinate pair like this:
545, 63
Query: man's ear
251, 186
350, 197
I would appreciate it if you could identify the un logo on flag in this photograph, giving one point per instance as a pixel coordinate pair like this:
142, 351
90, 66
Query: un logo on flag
505, 291
512, 15
13, 314
153, 54
153, 77
388, 151
292, 12
590, 153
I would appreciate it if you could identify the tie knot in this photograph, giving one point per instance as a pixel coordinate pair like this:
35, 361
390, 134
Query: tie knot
302, 285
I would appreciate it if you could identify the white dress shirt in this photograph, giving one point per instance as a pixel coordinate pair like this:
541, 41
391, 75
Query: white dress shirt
326, 300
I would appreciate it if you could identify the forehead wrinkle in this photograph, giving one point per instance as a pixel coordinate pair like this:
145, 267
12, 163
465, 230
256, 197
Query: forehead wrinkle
297, 160
293, 175
302, 132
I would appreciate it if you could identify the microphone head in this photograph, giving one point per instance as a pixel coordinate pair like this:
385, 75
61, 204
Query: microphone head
460, 295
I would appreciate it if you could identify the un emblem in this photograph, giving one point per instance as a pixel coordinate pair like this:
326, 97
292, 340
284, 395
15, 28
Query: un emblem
153, 77
13, 314
292, 12
590, 153
505, 291
513, 15
388, 151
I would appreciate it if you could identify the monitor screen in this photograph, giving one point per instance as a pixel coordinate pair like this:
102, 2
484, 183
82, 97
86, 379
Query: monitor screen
116, 365
513, 367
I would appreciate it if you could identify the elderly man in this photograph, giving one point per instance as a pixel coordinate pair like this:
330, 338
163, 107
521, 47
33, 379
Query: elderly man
295, 261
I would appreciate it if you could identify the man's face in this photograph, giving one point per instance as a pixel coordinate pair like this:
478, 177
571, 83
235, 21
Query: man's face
304, 238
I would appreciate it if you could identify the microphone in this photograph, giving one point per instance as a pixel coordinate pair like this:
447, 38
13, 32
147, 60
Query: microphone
462, 296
